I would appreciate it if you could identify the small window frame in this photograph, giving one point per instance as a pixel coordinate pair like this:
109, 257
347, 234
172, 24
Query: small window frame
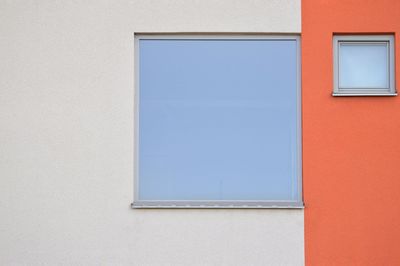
364, 39
217, 204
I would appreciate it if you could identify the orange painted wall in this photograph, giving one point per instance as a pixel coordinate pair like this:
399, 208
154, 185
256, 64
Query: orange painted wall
351, 145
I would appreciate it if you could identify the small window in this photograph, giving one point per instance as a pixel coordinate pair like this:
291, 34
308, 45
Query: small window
363, 65
217, 121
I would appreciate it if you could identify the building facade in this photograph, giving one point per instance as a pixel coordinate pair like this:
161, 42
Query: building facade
67, 108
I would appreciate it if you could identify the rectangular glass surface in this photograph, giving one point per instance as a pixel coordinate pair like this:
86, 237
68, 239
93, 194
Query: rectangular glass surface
218, 119
363, 66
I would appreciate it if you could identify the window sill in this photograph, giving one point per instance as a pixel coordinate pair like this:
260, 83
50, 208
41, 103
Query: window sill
217, 205
338, 94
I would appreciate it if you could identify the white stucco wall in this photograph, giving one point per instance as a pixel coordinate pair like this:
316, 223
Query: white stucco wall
66, 140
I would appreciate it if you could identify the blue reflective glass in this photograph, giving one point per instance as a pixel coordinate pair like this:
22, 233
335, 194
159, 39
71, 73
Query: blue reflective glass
218, 119
363, 65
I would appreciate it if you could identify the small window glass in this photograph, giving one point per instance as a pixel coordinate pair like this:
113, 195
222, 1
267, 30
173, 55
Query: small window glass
363, 65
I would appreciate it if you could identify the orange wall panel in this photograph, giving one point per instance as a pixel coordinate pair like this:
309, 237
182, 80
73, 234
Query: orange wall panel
351, 145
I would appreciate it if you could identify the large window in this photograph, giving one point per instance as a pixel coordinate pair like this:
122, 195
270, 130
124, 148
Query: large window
217, 121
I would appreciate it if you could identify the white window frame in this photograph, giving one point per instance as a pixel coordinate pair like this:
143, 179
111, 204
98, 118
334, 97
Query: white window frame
359, 40
212, 204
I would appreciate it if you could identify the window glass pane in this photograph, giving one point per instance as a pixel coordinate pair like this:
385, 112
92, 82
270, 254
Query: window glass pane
363, 66
218, 120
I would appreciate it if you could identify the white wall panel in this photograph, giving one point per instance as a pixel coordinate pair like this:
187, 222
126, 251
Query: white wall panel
66, 140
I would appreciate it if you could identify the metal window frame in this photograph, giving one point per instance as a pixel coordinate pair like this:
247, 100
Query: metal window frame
387, 40
216, 204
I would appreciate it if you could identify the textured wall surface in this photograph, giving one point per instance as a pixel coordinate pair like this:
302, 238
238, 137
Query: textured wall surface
351, 148
66, 140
